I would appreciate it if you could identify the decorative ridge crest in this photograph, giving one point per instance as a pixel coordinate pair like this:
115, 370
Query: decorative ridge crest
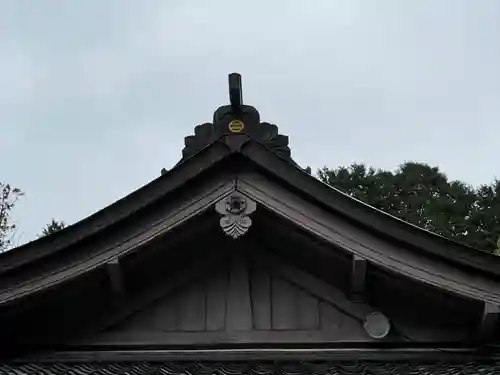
237, 118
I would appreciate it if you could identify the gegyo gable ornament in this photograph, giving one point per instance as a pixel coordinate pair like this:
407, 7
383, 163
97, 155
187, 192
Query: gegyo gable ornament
235, 209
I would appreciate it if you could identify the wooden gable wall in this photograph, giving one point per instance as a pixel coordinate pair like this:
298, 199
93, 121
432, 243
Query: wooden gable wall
242, 300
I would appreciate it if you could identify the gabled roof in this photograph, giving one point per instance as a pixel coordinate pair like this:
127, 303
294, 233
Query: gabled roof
94, 290
271, 163
259, 145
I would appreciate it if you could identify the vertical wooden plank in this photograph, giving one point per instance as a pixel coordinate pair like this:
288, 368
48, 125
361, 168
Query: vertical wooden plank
216, 301
192, 308
261, 298
239, 308
308, 311
284, 305
330, 318
170, 315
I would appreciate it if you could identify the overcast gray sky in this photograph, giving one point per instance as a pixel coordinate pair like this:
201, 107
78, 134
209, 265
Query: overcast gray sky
96, 96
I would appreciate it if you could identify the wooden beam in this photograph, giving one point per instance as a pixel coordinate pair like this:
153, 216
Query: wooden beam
138, 338
115, 275
488, 325
358, 279
258, 354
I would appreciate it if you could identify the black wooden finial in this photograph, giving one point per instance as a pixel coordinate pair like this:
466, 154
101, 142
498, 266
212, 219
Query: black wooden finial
235, 92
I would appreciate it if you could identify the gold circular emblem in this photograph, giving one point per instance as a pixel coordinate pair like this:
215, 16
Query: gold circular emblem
236, 126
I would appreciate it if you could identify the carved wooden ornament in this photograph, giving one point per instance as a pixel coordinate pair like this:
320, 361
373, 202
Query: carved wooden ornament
235, 209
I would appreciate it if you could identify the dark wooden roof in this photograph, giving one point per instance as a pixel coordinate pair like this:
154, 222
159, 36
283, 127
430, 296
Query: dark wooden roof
257, 368
262, 144
296, 211
271, 163
221, 154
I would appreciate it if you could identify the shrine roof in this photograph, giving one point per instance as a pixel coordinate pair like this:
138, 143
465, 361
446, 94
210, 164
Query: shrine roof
261, 368
239, 156
236, 131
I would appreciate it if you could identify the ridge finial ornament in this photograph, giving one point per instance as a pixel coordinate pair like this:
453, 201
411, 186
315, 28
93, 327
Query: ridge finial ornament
235, 92
236, 119
235, 209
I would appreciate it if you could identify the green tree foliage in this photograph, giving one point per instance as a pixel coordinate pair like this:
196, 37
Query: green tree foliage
52, 227
8, 198
424, 196
485, 218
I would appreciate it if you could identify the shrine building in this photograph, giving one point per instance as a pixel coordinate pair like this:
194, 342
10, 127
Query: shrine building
239, 261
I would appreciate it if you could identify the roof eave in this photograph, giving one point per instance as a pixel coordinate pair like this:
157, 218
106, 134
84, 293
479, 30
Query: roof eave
115, 212
370, 217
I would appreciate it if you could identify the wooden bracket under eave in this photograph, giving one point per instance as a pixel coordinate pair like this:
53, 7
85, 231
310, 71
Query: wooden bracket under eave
488, 327
115, 275
358, 279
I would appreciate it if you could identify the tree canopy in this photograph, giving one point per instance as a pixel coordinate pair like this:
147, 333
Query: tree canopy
424, 196
8, 198
52, 227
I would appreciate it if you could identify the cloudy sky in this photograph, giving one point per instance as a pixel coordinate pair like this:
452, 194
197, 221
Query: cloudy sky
96, 96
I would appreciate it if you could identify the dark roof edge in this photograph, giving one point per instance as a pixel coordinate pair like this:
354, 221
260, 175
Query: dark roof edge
293, 175
399, 354
113, 213
370, 217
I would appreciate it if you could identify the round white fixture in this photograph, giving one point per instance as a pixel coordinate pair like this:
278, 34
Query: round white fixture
377, 325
